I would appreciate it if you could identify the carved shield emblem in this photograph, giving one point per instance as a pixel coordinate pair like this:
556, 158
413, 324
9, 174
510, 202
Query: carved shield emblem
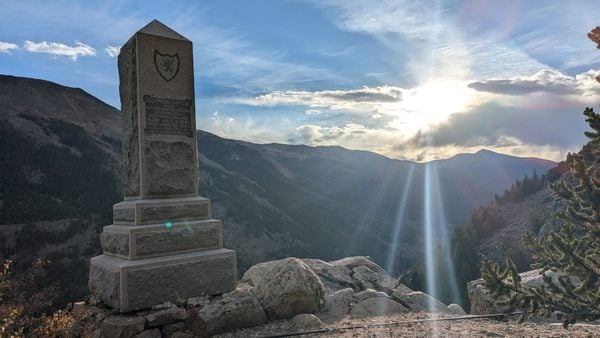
167, 65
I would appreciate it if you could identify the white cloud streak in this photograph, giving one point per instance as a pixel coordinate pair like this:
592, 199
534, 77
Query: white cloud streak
352, 99
545, 81
6, 47
57, 48
112, 51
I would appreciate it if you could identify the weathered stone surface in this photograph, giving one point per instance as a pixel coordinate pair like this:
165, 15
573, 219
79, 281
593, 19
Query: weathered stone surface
418, 301
358, 273
305, 322
370, 279
353, 262
182, 335
153, 333
115, 243
151, 281
195, 301
155, 240
129, 107
401, 288
234, 310
156, 211
334, 277
198, 210
170, 168
368, 293
377, 306
123, 215
456, 309
121, 327
337, 305
286, 287
162, 306
167, 316
169, 329
104, 282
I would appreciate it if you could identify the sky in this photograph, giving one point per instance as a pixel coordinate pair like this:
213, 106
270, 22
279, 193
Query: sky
416, 80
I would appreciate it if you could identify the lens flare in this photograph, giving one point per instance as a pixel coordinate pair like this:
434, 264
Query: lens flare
391, 255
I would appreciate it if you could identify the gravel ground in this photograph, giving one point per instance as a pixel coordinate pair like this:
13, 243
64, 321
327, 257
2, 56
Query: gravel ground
371, 327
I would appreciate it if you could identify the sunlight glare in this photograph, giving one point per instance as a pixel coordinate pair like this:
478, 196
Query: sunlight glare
430, 104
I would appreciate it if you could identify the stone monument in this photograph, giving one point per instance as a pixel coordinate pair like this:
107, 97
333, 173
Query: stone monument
163, 244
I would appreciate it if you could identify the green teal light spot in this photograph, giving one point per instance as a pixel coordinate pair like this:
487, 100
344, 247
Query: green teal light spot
168, 224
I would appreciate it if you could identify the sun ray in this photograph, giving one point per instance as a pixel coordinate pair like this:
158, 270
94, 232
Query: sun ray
395, 236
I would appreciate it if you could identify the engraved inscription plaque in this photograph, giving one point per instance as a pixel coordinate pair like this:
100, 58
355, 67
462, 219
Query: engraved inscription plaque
168, 116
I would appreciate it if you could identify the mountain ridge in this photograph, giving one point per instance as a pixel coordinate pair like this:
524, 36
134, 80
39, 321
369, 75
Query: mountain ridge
276, 200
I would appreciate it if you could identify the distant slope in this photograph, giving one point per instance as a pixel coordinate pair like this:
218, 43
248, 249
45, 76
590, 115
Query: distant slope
60, 153
331, 202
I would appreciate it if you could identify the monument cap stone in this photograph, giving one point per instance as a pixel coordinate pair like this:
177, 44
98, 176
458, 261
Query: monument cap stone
157, 28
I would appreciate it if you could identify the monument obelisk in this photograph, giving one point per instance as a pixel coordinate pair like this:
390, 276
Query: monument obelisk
163, 244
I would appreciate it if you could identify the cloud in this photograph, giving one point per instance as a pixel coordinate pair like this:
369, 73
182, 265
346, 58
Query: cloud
112, 51
544, 81
332, 99
6, 47
312, 112
548, 124
246, 129
57, 48
558, 124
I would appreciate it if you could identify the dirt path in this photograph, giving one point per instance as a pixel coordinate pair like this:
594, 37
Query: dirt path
390, 326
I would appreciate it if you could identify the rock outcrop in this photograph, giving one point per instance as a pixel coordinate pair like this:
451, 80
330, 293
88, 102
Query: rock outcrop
308, 292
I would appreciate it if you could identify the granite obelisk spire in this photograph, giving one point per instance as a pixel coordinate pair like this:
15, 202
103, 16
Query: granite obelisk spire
163, 244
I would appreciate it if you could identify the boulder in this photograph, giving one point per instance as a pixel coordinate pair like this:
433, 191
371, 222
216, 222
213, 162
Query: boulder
337, 305
373, 279
164, 317
306, 322
374, 303
368, 293
377, 306
456, 309
121, 327
170, 329
418, 301
234, 310
286, 288
153, 333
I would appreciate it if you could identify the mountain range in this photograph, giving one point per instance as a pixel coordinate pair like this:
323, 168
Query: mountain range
60, 173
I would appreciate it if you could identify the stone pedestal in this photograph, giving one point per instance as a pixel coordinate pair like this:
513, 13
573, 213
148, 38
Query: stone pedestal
163, 244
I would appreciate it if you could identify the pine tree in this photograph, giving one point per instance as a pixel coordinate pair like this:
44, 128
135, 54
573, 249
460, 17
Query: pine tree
573, 251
